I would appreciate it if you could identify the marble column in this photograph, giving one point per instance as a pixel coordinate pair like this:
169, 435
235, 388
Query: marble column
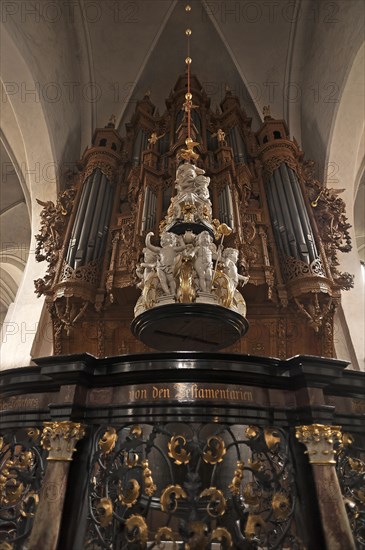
319, 441
59, 438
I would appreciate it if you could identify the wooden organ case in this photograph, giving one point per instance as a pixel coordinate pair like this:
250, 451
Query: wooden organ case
286, 226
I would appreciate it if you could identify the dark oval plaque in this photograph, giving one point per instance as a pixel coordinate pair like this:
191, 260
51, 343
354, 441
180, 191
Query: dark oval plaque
189, 327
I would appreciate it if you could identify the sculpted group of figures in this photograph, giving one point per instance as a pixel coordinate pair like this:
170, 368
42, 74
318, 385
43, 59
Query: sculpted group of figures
186, 267
190, 267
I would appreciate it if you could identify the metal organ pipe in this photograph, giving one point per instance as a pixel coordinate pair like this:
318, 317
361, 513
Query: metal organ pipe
289, 215
224, 202
230, 207
107, 219
95, 221
91, 221
85, 228
140, 145
237, 144
153, 212
80, 214
103, 226
288, 226
240, 146
144, 212
277, 217
148, 210
303, 214
302, 248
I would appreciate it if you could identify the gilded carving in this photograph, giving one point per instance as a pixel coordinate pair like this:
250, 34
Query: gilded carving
220, 534
235, 486
54, 218
165, 534
59, 438
316, 308
170, 496
149, 486
67, 312
215, 450
319, 440
105, 168
330, 213
254, 525
274, 162
137, 530
105, 511
176, 450
280, 505
21, 473
272, 438
350, 469
130, 495
217, 504
108, 441
195, 495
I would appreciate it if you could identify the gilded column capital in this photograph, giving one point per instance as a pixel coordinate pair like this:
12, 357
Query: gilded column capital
319, 440
60, 438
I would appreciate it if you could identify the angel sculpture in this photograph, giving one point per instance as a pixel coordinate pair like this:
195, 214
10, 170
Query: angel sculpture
167, 256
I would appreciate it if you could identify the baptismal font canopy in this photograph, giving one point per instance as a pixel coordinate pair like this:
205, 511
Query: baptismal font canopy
189, 284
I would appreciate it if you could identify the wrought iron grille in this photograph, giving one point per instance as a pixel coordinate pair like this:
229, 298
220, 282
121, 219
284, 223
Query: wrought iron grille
22, 469
191, 486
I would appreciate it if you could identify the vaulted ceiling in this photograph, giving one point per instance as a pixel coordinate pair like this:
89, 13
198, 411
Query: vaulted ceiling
67, 66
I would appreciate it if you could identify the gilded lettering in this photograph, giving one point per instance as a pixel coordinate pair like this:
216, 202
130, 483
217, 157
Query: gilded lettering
137, 395
160, 393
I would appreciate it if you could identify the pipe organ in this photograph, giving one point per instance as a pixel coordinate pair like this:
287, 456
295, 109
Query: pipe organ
108, 444
260, 186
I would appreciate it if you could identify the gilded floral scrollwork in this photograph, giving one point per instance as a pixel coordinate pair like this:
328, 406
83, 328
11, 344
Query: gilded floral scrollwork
177, 451
169, 497
195, 480
216, 450
136, 528
22, 468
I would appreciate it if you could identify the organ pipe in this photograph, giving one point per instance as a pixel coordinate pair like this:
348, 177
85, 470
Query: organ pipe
289, 216
91, 221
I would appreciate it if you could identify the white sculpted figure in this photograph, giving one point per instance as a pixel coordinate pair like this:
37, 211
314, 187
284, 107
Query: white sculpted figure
185, 178
205, 251
166, 260
201, 186
145, 268
230, 258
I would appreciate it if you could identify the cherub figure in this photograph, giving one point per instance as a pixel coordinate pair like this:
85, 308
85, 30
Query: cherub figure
153, 139
230, 258
205, 251
145, 268
166, 260
221, 136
